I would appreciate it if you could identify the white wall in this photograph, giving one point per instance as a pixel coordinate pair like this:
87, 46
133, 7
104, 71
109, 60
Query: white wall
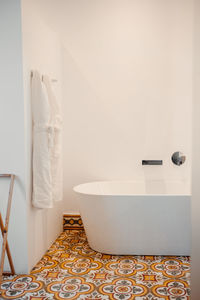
196, 160
41, 51
127, 69
12, 136
127, 89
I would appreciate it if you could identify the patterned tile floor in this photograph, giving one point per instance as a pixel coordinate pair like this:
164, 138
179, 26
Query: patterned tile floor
71, 270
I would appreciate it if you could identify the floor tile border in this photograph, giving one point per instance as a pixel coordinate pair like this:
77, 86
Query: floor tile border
72, 221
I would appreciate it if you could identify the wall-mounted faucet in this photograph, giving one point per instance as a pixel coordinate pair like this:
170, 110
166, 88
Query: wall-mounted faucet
152, 162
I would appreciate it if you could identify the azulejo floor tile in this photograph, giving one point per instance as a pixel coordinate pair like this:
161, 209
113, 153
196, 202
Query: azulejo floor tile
72, 270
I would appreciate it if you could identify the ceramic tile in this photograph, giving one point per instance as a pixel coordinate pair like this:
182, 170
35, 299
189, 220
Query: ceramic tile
71, 222
72, 270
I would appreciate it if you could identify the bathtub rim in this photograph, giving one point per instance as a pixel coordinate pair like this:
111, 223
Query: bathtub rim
77, 187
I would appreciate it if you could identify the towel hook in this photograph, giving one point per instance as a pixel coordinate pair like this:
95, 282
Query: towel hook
52, 80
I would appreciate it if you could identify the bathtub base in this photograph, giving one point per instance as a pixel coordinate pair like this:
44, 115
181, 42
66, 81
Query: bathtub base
143, 226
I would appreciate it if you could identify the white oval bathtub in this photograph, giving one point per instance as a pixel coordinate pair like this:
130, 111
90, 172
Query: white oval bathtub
136, 217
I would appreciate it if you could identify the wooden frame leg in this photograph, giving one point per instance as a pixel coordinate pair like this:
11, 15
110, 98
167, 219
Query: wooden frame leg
5, 230
7, 248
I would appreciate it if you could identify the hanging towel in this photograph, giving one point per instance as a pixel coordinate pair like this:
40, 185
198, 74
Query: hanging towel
42, 144
56, 154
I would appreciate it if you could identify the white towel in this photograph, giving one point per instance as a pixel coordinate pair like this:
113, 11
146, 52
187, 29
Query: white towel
56, 154
42, 144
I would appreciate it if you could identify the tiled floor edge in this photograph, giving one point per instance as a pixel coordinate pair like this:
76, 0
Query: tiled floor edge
72, 221
72, 270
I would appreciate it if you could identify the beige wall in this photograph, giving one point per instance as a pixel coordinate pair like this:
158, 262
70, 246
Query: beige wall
41, 51
127, 72
127, 89
196, 160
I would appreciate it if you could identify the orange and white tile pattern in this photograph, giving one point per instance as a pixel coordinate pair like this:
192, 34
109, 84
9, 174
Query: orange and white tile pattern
72, 270
71, 222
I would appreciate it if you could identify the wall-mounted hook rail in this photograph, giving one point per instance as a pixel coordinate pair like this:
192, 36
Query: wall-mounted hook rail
52, 79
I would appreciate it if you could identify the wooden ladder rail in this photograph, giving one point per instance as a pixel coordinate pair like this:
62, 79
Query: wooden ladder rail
4, 229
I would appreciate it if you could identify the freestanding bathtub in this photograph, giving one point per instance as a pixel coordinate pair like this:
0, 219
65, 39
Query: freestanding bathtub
134, 217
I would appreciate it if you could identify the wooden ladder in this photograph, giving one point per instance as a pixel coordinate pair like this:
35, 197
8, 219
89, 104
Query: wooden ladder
4, 230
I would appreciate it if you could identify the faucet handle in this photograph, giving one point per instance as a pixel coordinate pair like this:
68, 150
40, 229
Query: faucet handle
178, 158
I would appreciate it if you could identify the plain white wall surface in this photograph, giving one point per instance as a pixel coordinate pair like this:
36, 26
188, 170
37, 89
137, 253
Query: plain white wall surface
196, 160
127, 77
12, 135
41, 51
127, 89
